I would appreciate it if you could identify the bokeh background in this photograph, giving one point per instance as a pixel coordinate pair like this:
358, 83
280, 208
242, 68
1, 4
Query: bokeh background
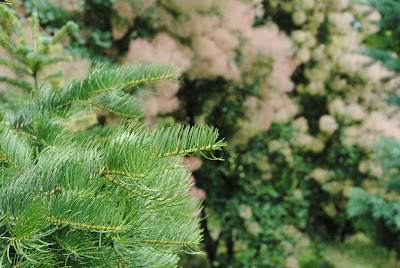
305, 94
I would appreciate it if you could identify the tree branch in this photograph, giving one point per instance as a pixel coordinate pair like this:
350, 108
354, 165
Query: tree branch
118, 256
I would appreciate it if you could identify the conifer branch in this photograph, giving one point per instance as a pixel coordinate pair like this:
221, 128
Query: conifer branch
17, 26
139, 81
85, 226
54, 76
184, 140
21, 84
118, 256
58, 59
125, 174
136, 193
23, 237
6, 42
103, 79
76, 188
8, 159
70, 26
191, 151
23, 133
91, 102
37, 134
14, 66
167, 242
104, 140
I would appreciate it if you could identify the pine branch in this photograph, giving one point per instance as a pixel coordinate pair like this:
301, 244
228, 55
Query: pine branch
167, 242
118, 103
107, 196
125, 174
142, 74
359, 203
103, 79
14, 66
84, 226
21, 84
118, 255
6, 42
54, 76
57, 60
136, 193
80, 245
145, 255
14, 149
69, 27
35, 31
84, 92
185, 140
16, 23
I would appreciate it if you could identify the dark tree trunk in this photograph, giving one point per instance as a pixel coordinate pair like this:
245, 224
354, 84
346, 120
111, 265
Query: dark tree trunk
211, 246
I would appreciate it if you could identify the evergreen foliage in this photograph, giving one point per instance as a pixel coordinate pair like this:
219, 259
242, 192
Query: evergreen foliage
286, 86
26, 58
109, 196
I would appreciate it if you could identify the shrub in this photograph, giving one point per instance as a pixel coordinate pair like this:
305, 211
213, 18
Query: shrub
376, 210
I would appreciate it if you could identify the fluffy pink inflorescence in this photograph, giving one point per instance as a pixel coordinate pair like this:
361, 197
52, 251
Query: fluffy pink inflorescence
206, 45
162, 49
212, 43
193, 163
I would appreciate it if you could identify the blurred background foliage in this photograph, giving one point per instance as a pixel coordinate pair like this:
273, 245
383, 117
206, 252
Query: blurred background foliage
299, 88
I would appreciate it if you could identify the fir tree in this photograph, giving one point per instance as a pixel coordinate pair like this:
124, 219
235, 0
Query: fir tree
109, 196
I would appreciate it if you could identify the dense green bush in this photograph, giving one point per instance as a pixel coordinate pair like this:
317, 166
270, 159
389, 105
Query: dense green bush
388, 36
378, 212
